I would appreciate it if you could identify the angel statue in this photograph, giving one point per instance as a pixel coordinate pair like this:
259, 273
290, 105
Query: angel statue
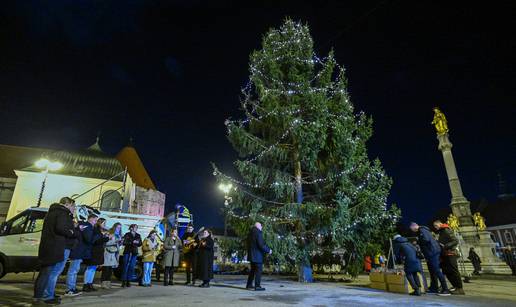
440, 122
453, 222
479, 221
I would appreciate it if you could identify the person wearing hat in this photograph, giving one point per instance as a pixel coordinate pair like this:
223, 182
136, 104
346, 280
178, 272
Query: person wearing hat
150, 250
406, 254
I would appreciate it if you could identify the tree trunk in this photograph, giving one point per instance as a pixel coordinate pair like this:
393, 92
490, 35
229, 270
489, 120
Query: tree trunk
304, 267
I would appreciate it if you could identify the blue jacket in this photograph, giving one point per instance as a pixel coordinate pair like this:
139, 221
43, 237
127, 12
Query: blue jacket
85, 243
256, 246
429, 246
405, 253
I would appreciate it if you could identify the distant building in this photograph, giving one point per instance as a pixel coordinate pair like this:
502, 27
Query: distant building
108, 183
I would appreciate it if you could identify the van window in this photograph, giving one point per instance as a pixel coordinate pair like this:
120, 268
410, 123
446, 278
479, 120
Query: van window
36, 221
25, 222
18, 224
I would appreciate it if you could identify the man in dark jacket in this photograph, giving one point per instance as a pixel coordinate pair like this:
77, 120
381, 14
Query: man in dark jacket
256, 250
57, 238
189, 252
432, 252
475, 260
510, 258
81, 251
449, 254
406, 253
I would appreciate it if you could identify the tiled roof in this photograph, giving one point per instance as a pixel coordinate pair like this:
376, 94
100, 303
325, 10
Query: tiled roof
89, 163
17, 157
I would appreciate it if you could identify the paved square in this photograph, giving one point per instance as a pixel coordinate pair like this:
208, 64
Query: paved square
16, 290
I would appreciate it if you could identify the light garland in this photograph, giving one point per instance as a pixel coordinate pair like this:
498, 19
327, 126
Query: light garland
266, 86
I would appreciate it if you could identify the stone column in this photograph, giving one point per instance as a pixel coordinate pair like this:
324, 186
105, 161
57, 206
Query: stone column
459, 203
469, 235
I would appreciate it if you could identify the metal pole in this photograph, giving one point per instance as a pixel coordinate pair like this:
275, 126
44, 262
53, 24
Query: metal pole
45, 172
123, 190
226, 204
463, 266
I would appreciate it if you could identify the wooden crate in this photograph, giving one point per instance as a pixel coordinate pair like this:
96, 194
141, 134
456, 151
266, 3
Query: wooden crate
398, 283
378, 285
377, 277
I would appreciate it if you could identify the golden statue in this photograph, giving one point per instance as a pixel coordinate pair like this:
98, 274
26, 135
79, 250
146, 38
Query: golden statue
453, 222
440, 122
479, 221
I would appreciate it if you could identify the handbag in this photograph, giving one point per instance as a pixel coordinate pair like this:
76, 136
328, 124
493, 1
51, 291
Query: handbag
112, 249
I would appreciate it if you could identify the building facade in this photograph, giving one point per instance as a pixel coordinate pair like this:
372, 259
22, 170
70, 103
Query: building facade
91, 176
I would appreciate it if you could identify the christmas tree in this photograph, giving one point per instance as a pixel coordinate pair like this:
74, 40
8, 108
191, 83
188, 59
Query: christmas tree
303, 169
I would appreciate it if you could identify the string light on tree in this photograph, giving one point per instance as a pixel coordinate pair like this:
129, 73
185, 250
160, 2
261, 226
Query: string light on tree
303, 169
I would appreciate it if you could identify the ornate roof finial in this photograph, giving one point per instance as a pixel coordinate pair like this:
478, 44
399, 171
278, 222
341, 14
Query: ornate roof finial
131, 142
96, 146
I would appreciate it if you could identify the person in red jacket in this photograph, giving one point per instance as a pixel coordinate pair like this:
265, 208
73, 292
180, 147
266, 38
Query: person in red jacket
367, 264
449, 254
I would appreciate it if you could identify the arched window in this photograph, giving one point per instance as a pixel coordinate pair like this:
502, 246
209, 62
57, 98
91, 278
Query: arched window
110, 201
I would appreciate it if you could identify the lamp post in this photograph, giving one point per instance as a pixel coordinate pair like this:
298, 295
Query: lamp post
46, 165
226, 188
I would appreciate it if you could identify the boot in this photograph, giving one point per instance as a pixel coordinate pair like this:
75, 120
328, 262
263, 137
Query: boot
92, 289
416, 292
171, 279
86, 288
127, 284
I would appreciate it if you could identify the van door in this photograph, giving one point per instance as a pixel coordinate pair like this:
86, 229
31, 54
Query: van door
20, 239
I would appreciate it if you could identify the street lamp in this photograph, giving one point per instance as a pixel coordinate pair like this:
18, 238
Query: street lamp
46, 165
226, 188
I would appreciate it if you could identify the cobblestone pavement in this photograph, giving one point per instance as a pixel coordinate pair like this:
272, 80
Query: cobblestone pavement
16, 290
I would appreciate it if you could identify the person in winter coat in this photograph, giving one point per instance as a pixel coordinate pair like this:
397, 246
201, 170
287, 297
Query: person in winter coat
150, 250
376, 261
406, 253
111, 254
509, 255
80, 251
255, 254
131, 241
367, 264
189, 246
57, 239
206, 257
449, 254
97, 254
172, 247
475, 260
432, 252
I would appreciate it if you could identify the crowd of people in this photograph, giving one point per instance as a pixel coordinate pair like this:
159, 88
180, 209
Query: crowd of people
90, 244
441, 255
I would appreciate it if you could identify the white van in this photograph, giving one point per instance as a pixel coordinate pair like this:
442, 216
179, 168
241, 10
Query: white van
20, 236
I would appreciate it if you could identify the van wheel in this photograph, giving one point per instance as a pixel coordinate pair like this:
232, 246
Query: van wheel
2, 269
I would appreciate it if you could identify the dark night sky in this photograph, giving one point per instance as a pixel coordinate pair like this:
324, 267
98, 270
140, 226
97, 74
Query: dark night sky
168, 73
